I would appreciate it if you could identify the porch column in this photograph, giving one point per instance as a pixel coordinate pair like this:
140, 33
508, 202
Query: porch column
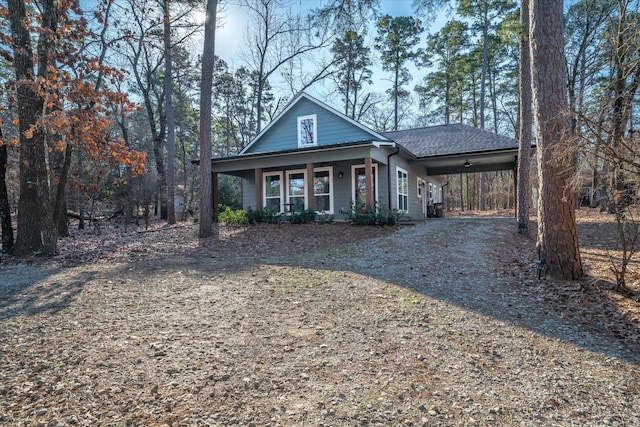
216, 194
368, 173
258, 179
310, 191
515, 188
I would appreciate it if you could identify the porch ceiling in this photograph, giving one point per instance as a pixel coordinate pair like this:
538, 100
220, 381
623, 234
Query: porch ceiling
470, 162
240, 164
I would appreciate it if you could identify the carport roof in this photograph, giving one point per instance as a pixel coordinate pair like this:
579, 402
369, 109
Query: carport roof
452, 139
457, 148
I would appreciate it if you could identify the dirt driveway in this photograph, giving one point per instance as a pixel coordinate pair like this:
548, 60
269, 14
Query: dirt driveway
442, 323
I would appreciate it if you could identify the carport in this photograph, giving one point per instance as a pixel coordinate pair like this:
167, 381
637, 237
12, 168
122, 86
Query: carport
458, 148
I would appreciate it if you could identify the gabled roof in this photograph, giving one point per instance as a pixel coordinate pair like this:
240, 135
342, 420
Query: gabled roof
375, 136
451, 139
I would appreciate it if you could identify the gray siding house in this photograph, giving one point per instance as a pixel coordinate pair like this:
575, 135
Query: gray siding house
313, 156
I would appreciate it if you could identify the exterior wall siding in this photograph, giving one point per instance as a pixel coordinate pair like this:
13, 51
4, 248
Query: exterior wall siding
415, 203
383, 185
342, 189
248, 192
331, 130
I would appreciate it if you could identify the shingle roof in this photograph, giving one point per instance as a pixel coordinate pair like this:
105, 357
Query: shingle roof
450, 139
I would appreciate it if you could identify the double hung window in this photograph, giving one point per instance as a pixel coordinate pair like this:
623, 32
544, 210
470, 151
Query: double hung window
403, 189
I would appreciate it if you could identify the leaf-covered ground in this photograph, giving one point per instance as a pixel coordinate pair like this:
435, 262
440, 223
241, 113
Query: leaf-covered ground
441, 323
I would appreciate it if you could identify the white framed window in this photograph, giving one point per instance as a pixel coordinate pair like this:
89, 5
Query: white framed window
323, 189
307, 131
297, 189
421, 185
273, 190
403, 189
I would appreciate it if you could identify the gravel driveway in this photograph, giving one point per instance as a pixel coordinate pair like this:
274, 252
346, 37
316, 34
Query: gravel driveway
442, 323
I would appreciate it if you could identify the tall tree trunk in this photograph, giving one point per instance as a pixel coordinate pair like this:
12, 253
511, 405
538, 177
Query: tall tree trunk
5, 208
485, 61
36, 231
168, 99
80, 192
524, 132
395, 98
206, 90
59, 177
61, 168
447, 102
483, 90
259, 95
161, 182
557, 236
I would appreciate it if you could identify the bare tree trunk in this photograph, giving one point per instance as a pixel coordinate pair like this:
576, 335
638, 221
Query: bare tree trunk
524, 137
395, 97
168, 99
557, 235
483, 86
483, 78
60, 202
36, 231
80, 192
206, 229
5, 208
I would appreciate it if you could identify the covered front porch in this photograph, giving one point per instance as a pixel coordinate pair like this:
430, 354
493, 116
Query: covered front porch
327, 181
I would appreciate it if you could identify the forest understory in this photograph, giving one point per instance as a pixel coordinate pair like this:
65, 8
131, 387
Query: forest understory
440, 323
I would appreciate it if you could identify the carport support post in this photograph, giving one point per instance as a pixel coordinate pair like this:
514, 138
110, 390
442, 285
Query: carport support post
216, 193
258, 179
368, 173
310, 189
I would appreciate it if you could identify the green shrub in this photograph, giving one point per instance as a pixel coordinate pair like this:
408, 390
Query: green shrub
305, 216
233, 217
269, 215
324, 218
361, 214
386, 216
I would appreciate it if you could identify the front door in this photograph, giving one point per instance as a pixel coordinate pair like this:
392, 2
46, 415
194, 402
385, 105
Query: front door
360, 184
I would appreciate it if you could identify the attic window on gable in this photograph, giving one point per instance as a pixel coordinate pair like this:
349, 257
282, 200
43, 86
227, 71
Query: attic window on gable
307, 131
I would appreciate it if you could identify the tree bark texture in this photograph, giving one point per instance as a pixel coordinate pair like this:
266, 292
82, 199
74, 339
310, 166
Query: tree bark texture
63, 167
168, 99
5, 209
525, 121
206, 90
36, 231
557, 235
157, 127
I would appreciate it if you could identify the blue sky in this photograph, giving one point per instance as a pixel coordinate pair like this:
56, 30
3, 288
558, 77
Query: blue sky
230, 37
